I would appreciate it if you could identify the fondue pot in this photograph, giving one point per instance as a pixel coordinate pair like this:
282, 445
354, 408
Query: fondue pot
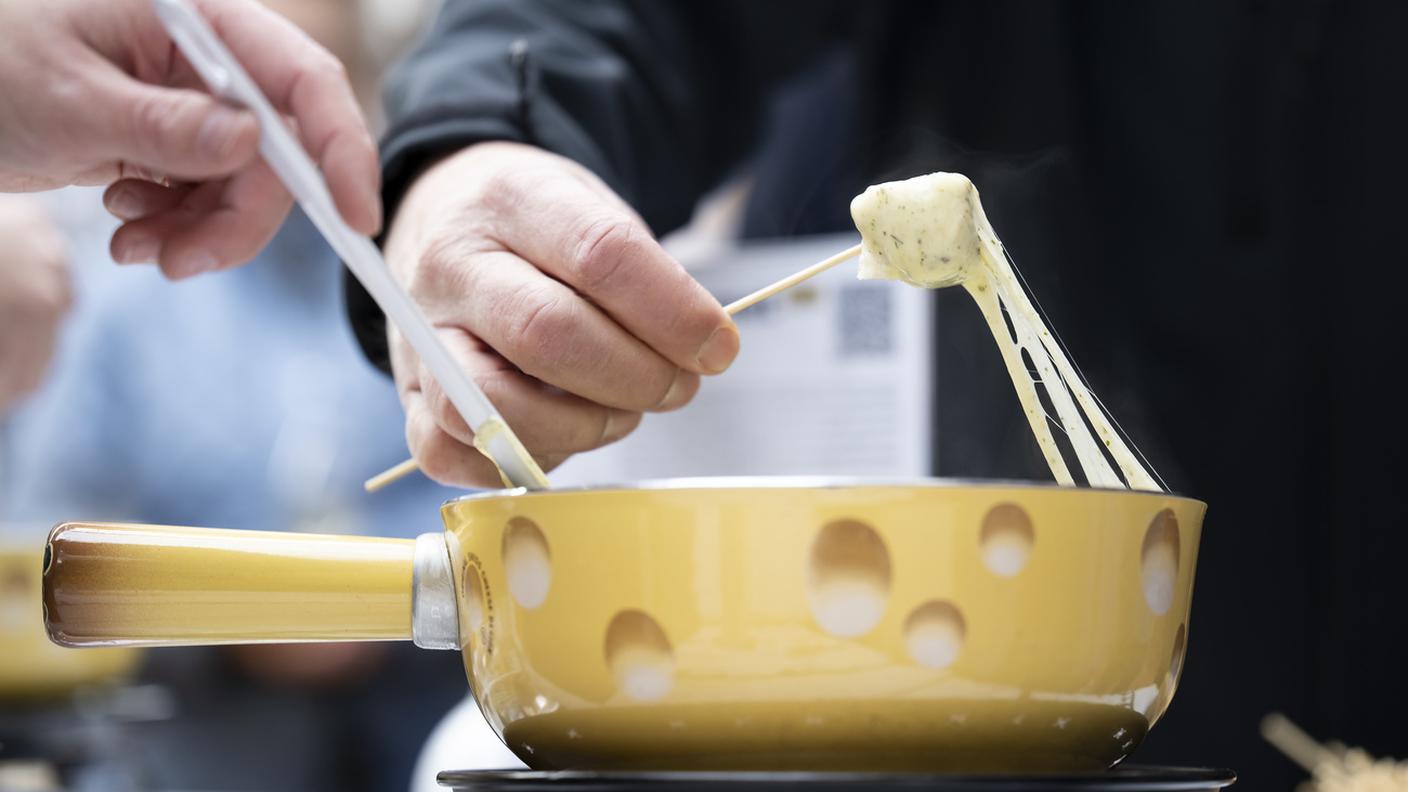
722, 624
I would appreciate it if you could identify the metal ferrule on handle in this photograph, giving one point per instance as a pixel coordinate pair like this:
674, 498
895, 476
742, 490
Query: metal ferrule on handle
435, 620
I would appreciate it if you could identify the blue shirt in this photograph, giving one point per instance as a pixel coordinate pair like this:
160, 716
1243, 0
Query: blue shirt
236, 400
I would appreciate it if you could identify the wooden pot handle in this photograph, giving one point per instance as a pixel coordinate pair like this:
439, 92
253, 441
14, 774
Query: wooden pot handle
111, 584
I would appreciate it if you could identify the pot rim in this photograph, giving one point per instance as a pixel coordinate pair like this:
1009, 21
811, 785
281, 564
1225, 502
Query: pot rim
806, 482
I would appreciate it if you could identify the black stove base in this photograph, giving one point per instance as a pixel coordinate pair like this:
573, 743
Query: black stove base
1122, 779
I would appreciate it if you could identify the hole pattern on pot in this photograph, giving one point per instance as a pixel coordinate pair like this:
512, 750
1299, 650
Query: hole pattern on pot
848, 578
1006, 539
474, 597
934, 634
1158, 562
527, 562
640, 656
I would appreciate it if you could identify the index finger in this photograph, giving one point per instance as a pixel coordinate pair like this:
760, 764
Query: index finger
304, 80
607, 253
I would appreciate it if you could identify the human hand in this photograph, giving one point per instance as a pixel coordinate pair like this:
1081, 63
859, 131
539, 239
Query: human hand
95, 93
553, 295
34, 295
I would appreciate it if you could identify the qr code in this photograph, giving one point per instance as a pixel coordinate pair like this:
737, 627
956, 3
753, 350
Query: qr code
865, 325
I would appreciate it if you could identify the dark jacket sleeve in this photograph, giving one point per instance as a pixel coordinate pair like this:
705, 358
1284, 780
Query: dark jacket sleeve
658, 97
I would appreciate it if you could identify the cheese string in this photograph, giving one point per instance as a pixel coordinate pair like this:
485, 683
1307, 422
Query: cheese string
987, 301
1059, 387
931, 231
1145, 476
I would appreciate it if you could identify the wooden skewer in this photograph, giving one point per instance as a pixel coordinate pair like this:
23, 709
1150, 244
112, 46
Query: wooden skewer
389, 475
409, 466
1288, 738
791, 280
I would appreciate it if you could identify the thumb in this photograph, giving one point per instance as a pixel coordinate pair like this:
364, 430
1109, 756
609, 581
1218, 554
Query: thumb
180, 132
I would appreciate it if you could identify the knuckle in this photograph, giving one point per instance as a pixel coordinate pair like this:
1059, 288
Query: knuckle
439, 256
155, 117
500, 191
605, 246
322, 65
445, 265
538, 326
441, 267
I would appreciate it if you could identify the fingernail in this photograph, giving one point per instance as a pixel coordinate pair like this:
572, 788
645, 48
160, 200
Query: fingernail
194, 263
719, 351
672, 397
618, 425
124, 205
219, 132
137, 250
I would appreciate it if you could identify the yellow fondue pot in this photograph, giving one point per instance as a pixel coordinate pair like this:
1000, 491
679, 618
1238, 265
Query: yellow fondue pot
30, 666
717, 623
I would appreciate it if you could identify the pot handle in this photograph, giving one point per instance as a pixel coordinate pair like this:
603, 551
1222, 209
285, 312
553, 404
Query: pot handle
109, 584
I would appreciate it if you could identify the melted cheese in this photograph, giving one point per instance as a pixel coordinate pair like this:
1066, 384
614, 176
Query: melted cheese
931, 231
